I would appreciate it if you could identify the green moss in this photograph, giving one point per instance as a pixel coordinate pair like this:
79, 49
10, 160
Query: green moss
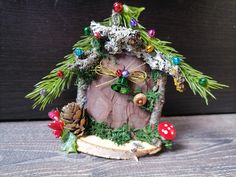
122, 135
119, 136
149, 133
88, 75
155, 74
152, 97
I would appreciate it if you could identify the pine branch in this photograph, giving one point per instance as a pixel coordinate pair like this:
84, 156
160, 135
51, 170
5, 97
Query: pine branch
54, 85
190, 74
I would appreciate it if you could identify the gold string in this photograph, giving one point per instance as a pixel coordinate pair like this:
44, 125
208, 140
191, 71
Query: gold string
102, 70
138, 66
137, 76
104, 83
134, 76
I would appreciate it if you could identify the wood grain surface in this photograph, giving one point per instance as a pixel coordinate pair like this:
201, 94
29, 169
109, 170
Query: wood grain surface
205, 146
36, 34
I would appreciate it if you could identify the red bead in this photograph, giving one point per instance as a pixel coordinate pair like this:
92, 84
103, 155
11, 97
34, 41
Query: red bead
118, 72
56, 125
166, 130
54, 115
57, 133
97, 35
118, 7
59, 74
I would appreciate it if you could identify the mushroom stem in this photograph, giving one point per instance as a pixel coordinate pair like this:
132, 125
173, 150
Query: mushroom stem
156, 114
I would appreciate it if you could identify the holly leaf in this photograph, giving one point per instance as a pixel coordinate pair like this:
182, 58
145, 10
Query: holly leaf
65, 135
69, 140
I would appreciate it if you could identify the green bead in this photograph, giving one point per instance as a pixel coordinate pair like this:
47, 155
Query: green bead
203, 82
87, 31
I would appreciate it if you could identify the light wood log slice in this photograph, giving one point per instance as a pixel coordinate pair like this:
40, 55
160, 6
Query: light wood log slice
113, 108
96, 146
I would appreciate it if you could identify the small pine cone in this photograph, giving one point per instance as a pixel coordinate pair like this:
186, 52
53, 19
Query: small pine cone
73, 117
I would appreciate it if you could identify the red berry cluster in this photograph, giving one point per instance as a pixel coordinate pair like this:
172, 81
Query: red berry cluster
56, 125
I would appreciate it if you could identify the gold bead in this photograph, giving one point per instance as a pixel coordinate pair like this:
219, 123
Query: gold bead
140, 99
149, 48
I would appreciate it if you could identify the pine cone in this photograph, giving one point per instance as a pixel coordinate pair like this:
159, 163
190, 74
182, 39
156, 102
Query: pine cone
73, 117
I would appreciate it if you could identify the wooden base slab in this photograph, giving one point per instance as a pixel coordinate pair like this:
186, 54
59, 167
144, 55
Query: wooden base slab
96, 146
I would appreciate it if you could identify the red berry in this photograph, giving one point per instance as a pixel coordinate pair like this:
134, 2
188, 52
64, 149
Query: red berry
118, 7
54, 115
59, 74
57, 133
51, 114
97, 35
166, 130
56, 125
118, 72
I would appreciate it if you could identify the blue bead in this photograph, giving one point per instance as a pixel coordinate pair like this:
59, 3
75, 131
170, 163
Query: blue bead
133, 23
176, 60
125, 73
78, 52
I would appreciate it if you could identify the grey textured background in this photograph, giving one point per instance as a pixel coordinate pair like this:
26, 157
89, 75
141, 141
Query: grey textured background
204, 147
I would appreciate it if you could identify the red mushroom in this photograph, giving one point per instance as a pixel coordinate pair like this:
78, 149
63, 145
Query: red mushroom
166, 130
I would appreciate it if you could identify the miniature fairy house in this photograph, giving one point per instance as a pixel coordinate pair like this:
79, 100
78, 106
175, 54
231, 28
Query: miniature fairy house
120, 71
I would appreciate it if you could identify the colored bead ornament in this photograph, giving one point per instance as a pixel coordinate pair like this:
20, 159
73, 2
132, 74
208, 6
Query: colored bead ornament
125, 73
203, 82
97, 35
140, 99
43, 92
78, 52
118, 72
118, 7
60, 74
166, 131
176, 60
87, 31
151, 33
149, 48
133, 23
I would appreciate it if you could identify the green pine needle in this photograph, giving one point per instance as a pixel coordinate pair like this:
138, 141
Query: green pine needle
54, 85
190, 74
